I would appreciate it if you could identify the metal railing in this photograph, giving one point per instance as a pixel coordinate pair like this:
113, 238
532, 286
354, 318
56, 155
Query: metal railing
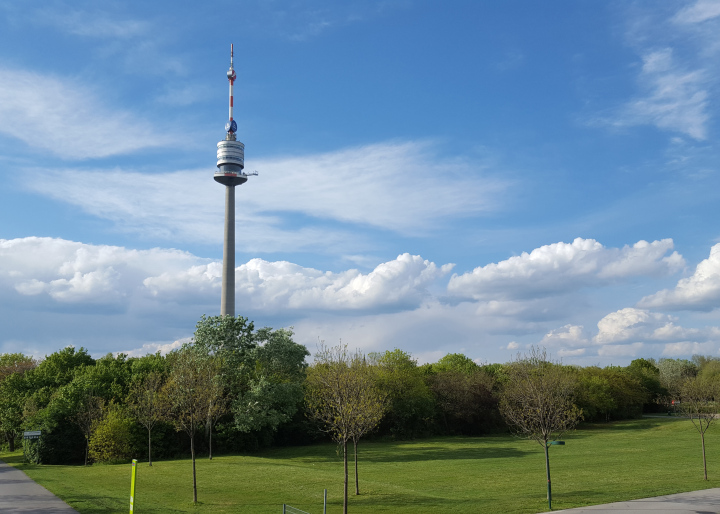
289, 509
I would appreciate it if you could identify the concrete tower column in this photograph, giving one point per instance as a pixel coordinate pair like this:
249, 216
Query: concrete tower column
227, 302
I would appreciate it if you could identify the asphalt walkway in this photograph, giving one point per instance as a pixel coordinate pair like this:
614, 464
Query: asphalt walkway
696, 502
19, 494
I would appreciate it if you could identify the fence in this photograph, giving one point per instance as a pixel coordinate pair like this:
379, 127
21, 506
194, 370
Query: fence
288, 509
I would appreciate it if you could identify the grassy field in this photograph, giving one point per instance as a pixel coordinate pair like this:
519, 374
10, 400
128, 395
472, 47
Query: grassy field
599, 464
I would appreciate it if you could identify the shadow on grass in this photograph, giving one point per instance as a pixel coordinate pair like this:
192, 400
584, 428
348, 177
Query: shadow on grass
468, 449
12, 458
421, 453
434, 503
88, 504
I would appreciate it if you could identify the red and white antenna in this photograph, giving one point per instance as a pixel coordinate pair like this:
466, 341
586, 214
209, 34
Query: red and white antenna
231, 126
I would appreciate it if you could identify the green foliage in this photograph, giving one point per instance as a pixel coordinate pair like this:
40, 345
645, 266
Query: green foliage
109, 378
710, 370
611, 392
262, 371
465, 401
11, 363
273, 390
151, 363
13, 390
112, 436
59, 368
266, 404
456, 362
411, 401
226, 336
594, 397
673, 372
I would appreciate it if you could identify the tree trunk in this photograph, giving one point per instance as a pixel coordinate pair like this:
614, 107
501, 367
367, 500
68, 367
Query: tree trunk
547, 471
11, 442
192, 453
357, 486
149, 448
210, 441
345, 497
702, 436
87, 448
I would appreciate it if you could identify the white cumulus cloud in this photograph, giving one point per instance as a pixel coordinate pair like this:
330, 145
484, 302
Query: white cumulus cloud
688, 348
639, 325
567, 336
284, 285
561, 267
71, 272
621, 350
701, 291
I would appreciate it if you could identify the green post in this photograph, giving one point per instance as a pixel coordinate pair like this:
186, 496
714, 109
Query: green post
133, 474
547, 467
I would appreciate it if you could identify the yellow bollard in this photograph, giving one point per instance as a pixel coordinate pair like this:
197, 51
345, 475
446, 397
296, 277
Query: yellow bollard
133, 474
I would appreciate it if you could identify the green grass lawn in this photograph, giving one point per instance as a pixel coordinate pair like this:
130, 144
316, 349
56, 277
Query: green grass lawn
599, 464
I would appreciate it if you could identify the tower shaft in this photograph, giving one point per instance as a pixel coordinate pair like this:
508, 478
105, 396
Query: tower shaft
227, 302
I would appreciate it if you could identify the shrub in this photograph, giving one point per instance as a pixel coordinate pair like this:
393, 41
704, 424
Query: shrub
112, 439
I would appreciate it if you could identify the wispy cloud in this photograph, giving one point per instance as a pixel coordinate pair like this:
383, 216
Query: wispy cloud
674, 99
301, 21
700, 11
92, 24
68, 119
389, 185
677, 73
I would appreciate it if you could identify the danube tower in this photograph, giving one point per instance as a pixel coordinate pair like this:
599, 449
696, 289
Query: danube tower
230, 163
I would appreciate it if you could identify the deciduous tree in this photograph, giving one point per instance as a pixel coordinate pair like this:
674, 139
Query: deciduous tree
191, 390
537, 401
89, 412
148, 403
342, 396
411, 403
111, 438
698, 403
15, 363
12, 401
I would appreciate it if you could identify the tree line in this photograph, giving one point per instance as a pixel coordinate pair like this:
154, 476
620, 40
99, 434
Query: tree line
236, 388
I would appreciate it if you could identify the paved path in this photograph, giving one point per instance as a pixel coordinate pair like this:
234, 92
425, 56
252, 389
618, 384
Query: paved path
696, 502
20, 495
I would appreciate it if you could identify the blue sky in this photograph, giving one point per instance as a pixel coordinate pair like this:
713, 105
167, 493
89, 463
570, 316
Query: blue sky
470, 177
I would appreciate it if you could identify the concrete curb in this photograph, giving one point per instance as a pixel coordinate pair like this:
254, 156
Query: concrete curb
706, 501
